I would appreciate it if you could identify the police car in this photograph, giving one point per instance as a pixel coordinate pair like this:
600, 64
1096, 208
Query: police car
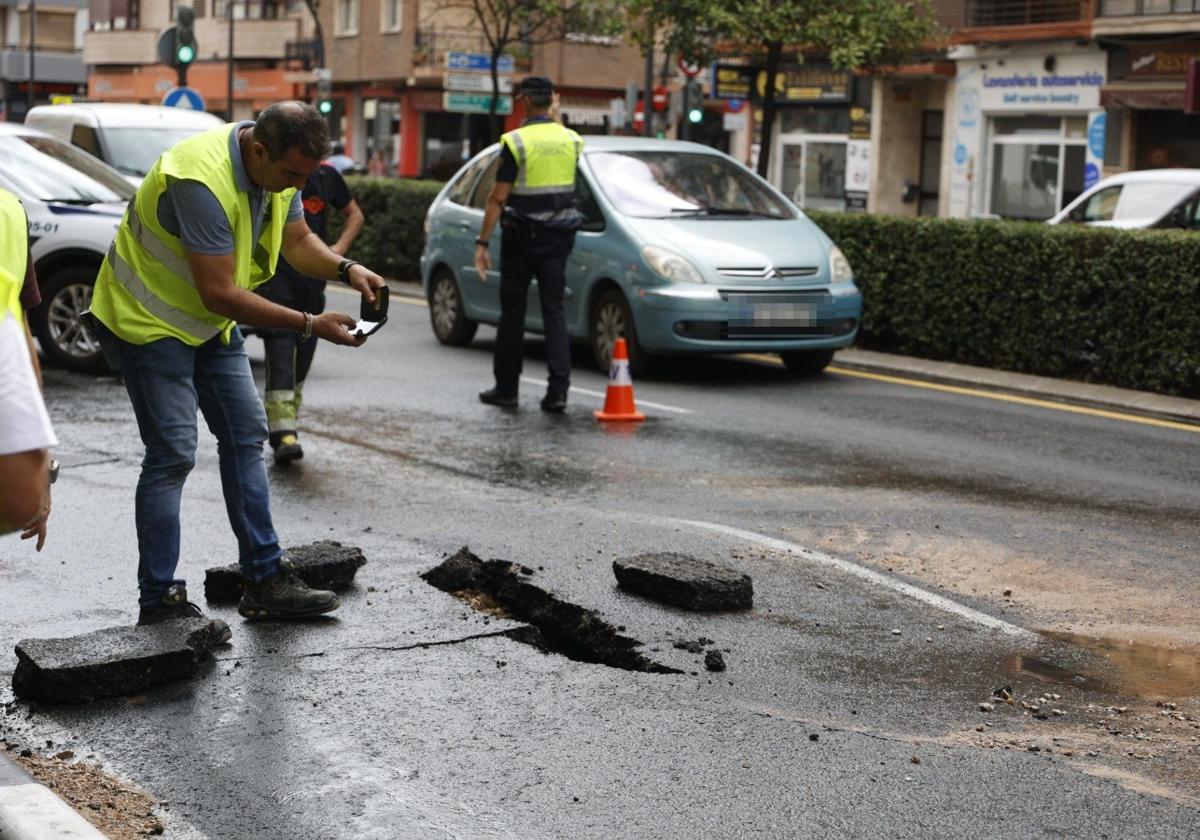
74, 203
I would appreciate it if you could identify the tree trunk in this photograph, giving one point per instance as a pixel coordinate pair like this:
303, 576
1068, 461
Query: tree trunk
493, 116
774, 53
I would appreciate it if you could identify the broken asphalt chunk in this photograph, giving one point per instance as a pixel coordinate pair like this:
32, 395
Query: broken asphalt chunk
683, 581
322, 565
714, 661
112, 662
557, 625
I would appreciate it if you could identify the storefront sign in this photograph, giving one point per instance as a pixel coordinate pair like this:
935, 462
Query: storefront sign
731, 82
858, 175
1147, 62
476, 82
1024, 84
474, 103
807, 84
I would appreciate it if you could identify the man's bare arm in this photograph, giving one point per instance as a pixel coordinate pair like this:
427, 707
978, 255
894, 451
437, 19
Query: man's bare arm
351, 229
219, 294
307, 254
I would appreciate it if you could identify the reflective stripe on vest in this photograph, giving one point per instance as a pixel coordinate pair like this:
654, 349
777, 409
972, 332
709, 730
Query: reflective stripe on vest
547, 155
14, 254
145, 290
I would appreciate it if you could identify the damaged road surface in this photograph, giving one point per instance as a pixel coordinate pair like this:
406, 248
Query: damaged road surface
846, 707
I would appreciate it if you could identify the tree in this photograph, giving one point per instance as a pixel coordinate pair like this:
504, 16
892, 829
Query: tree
851, 34
505, 23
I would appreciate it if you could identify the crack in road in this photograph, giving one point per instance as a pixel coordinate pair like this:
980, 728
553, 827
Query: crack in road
386, 648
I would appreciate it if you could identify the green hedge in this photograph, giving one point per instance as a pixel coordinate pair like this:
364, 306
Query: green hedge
1115, 307
393, 236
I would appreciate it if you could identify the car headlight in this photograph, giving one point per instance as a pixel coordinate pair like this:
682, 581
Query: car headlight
839, 266
670, 265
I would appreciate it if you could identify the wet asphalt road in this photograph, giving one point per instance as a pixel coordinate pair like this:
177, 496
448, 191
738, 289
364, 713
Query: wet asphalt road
405, 717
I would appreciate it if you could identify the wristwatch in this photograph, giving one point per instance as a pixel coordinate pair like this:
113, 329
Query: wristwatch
54, 466
306, 333
482, 242
344, 270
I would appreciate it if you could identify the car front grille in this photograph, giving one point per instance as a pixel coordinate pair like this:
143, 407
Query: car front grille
768, 272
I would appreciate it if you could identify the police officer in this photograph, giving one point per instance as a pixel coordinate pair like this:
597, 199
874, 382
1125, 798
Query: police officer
534, 199
288, 358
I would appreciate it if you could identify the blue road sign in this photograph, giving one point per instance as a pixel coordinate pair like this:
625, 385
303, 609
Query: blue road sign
183, 97
478, 62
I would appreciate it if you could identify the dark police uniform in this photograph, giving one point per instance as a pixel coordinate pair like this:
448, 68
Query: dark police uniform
537, 234
288, 358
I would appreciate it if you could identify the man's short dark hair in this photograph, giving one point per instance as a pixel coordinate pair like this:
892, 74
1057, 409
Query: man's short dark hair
292, 125
537, 90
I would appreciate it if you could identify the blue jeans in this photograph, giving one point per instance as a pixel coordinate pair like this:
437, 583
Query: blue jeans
167, 381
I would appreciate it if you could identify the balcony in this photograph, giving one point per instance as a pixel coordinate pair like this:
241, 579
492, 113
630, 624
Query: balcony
1147, 17
1015, 20
304, 51
1131, 8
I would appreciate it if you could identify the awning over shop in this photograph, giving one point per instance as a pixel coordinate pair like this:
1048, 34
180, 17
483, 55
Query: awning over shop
1164, 96
583, 110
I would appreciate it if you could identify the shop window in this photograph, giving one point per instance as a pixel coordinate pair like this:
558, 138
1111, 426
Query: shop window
1037, 165
1167, 139
931, 162
1114, 131
1027, 125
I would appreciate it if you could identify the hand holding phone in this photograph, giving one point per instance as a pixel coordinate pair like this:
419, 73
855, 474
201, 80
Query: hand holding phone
372, 316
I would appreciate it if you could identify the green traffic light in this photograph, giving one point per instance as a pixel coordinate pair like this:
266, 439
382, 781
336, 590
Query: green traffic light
325, 106
185, 54
696, 115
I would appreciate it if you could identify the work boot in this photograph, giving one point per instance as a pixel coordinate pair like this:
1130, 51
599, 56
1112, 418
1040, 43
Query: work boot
494, 396
287, 449
284, 595
174, 604
554, 403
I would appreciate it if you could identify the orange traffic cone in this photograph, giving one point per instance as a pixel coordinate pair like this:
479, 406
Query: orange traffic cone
618, 402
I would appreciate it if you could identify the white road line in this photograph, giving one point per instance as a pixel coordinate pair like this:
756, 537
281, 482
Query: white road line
869, 575
600, 395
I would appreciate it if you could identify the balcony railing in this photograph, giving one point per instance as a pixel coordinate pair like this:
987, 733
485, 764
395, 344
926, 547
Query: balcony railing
1132, 8
306, 51
990, 13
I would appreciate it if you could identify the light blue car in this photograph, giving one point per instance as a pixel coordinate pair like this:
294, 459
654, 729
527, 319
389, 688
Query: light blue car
684, 251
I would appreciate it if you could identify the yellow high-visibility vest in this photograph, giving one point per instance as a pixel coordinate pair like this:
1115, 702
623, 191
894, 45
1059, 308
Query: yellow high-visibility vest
14, 255
547, 155
145, 290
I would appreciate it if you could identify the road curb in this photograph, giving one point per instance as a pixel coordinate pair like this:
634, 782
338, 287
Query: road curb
31, 811
1142, 403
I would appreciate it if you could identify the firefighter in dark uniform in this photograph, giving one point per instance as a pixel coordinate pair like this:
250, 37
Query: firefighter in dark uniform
534, 201
288, 356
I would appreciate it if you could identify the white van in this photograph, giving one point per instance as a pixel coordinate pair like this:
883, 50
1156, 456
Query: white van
127, 137
74, 204
1148, 198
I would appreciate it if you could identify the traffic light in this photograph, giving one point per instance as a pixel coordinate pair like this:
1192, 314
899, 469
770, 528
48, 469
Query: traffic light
693, 103
185, 36
324, 90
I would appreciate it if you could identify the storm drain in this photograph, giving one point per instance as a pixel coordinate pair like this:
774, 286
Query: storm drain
497, 587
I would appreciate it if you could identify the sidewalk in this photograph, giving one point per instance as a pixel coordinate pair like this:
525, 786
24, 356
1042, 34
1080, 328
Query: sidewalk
1066, 391
30, 811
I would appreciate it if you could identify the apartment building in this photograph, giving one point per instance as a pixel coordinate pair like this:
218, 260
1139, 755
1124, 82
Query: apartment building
395, 100
274, 50
58, 68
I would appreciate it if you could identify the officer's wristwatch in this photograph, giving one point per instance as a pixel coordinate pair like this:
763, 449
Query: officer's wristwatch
482, 242
54, 466
344, 270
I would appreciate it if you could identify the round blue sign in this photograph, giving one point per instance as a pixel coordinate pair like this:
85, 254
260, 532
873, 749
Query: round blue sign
960, 154
1091, 174
1096, 135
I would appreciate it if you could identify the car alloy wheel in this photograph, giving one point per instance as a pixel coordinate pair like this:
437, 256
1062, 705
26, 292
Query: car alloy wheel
611, 319
450, 324
58, 324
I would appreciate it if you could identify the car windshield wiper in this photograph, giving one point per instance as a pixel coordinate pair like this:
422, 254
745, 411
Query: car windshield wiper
719, 211
82, 202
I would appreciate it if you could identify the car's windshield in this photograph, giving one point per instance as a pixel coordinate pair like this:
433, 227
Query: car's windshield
134, 150
48, 169
666, 184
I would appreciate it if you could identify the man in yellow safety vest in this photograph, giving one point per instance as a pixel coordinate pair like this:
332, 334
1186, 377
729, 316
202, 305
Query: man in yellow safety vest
205, 228
534, 200
25, 431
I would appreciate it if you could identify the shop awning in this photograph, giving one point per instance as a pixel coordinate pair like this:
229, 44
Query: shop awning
1162, 96
582, 110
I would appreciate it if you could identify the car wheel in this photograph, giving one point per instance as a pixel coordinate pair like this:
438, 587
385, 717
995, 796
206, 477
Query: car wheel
611, 319
57, 322
450, 324
806, 362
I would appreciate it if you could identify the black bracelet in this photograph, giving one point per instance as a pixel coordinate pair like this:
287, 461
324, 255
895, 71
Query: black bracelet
482, 242
344, 270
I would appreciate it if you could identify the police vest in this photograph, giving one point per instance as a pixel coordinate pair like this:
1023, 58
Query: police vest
145, 290
547, 156
14, 255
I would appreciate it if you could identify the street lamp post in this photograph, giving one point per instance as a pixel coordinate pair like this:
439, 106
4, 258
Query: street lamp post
30, 98
229, 80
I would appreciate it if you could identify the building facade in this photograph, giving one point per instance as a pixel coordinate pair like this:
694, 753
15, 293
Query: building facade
57, 61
